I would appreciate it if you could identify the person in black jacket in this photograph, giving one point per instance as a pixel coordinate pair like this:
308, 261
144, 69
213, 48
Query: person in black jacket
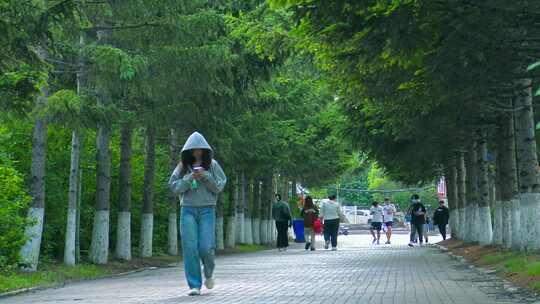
440, 218
418, 219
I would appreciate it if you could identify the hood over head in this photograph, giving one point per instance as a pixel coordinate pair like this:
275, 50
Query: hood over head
196, 141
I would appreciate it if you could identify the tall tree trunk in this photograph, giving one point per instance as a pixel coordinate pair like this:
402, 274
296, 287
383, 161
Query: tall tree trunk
78, 222
99, 246
256, 211
230, 237
147, 220
220, 244
30, 250
485, 232
452, 196
272, 232
472, 204
529, 177
71, 224
462, 196
239, 202
265, 200
497, 203
80, 84
247, 186
123, 228
285, 189
172, 234
508, 184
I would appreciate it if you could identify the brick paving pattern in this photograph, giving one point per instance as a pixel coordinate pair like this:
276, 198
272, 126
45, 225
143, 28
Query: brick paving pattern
358, 273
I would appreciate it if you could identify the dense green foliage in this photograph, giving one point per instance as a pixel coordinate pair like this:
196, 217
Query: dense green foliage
182, 65
418, 77
13, 199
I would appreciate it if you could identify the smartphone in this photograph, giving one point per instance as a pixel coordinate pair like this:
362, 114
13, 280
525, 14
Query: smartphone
198, 168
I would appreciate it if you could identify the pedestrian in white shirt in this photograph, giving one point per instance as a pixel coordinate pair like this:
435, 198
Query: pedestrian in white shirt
388, 215
376, 221
330, 213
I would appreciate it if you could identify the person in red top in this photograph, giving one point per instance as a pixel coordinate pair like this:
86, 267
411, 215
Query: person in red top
310, 213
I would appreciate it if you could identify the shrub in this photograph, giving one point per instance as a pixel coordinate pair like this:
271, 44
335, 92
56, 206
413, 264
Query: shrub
13, 200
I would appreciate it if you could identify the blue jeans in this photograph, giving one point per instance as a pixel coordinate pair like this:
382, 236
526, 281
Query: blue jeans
197, 227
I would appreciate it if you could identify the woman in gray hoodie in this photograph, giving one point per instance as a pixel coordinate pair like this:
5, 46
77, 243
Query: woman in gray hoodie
198, 179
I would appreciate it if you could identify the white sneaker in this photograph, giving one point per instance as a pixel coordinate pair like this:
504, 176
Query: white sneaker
334, 248
326, 245
209, 283
194, 292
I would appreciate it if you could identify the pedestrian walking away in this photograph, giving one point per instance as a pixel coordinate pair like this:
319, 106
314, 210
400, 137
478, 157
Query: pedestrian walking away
281, 213
198, 179
418, 219
310, 214
376, 221
389, 210
441, 217
330, 214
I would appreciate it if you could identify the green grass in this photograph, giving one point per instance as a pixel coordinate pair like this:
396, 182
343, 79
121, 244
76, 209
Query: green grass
49, 275
535, 285
516, 264
533, 269
243, 248
497, 258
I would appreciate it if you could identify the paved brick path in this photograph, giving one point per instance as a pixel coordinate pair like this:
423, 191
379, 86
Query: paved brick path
357, 273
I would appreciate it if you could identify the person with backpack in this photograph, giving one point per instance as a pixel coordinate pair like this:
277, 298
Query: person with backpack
441, 217
198, 179
330, 214
310, 214
418, 219
281, 213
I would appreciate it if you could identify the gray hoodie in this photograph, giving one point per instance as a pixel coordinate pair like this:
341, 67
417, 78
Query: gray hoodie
211, 184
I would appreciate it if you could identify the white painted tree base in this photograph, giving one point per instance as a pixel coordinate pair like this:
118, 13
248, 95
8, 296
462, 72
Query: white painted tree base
485, 232
469, 227
454, 222
256, 230
506, 224
240, 234
463, 223
99, 247
230, 238
476, 224
248, 232
172, 234
30, 250
272, 231
147, 231
529, 205
123, 236
516, 225
497, 223
263, 232
71, 231
220, 245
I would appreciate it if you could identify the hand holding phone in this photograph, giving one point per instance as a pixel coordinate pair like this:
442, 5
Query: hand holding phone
198, 172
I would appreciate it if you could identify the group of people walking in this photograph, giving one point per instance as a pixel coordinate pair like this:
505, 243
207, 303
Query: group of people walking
416, 215
329, 214
419, 219
382, 215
